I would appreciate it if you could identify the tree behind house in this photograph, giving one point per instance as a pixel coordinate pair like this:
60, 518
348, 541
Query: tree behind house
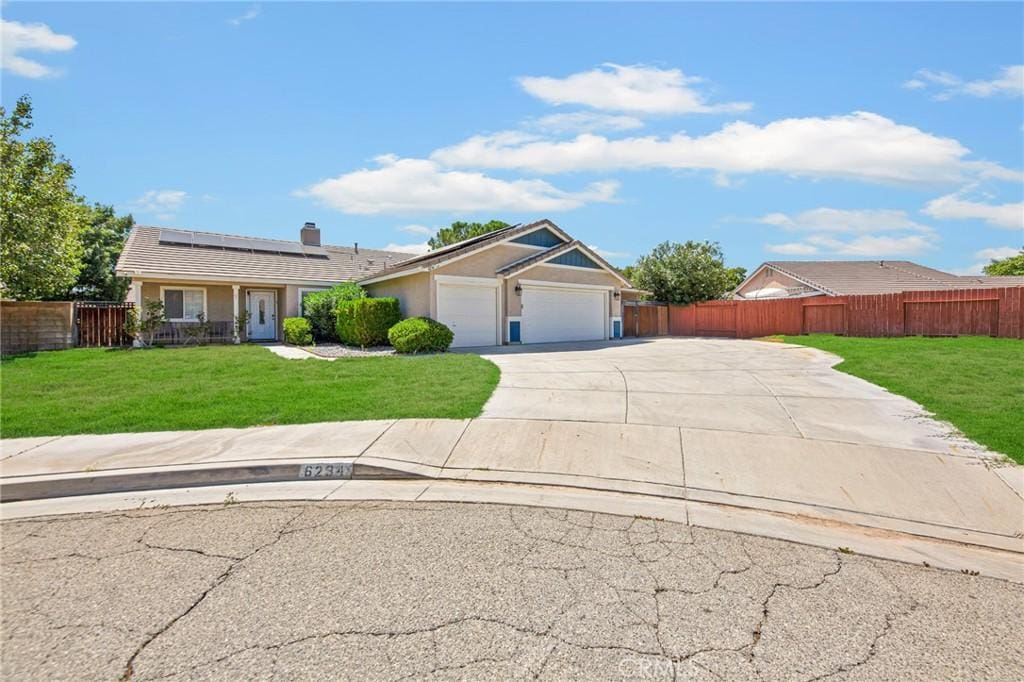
102, 240
460, 230
40, 214
1012, 265
686, 273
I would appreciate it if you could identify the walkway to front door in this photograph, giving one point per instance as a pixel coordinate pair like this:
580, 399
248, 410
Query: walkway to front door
262, 307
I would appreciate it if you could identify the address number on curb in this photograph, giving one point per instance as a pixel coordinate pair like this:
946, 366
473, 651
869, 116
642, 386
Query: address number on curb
333, 470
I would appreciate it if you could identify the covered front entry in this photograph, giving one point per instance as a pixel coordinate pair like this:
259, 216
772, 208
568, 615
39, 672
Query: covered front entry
262, 308
469, 306
564, 313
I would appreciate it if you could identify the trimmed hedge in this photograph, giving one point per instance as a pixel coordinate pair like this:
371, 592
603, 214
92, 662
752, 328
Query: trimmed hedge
366, 322
420, 335
297, 331
321, 308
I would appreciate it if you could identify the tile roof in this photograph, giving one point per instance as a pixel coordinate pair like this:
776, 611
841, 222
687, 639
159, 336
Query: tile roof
466, 246
144, 253
840, 278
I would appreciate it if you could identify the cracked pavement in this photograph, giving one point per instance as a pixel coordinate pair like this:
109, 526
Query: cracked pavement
385, 590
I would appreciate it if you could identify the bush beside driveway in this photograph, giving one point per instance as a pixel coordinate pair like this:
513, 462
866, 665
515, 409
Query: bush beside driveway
109, 391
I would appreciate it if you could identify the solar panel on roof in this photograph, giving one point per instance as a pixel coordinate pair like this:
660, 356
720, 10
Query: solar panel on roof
200, 239
175, 237
238, 243
314, 251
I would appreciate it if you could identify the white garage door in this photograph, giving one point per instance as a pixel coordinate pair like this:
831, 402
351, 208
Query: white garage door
559, 314
470, 311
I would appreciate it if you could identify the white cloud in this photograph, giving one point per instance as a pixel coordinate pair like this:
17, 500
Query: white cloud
609, 255
952, 207
417, 229
248, 15
1009, 82
858, 146
875, 232
161, 202
585, 122
415, 249
420, 185
636, 89
868, 246
985, 257
16, 37
792, 249
835, 220
998, 252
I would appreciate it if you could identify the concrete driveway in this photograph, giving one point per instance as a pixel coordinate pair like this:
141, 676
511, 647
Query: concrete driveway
716, 384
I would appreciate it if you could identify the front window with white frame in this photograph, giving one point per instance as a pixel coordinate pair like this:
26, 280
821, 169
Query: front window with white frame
183, 304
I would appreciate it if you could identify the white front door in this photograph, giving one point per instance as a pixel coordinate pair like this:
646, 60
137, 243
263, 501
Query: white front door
470, 311
563, 314
262, 315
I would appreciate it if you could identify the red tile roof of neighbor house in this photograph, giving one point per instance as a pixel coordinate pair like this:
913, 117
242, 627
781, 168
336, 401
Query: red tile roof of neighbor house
147, 254
840, 278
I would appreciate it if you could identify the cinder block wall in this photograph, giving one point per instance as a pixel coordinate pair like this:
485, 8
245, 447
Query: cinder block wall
27, 326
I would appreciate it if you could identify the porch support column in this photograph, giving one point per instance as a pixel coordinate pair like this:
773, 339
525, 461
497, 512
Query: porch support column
234, 302
137, 300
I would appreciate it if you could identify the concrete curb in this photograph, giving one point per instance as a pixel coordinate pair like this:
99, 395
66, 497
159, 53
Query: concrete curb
74, 485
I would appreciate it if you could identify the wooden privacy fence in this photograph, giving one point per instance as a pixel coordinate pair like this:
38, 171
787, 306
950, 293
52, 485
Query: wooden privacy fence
974, 312
100, 324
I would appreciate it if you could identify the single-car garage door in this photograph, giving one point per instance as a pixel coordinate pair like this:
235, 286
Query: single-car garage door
563, 314
470, 311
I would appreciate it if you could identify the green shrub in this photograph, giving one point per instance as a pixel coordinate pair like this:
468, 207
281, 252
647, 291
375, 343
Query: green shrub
297, 331
321, 308
420, 335
366, 321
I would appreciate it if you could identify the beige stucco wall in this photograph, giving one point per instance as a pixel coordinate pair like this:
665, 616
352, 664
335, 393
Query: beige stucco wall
548, 273
769, 278
413, 293
485, 263
219, 306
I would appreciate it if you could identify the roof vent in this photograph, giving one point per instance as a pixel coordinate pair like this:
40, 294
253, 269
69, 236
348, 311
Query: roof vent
309, 235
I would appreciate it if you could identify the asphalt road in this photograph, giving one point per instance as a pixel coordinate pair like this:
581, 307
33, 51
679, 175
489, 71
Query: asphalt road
390, 590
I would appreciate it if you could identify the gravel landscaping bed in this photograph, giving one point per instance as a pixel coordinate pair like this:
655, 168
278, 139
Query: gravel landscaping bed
337, 350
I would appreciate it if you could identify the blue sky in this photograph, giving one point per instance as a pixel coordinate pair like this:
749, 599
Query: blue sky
781, 131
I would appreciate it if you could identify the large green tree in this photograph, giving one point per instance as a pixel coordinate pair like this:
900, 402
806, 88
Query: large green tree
40, 214
102, 240
460, 230
1011, 265
686, 273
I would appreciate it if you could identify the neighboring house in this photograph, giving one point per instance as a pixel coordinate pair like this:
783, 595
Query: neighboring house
795, 279
522, 284
220, 276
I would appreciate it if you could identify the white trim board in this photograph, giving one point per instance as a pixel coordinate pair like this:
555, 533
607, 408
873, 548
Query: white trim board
563, 285
468, 281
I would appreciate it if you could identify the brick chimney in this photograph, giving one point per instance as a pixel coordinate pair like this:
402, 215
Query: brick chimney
309, 235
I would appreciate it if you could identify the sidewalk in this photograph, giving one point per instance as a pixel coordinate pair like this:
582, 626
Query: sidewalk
949, 498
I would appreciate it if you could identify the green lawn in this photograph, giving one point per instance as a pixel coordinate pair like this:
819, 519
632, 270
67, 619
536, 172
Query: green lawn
109, 391
975, 383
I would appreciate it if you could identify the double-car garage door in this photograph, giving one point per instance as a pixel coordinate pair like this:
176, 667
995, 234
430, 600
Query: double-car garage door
471, 309
562, 314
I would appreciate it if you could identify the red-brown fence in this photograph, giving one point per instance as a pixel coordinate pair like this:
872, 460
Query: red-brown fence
101, 324
975, 312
